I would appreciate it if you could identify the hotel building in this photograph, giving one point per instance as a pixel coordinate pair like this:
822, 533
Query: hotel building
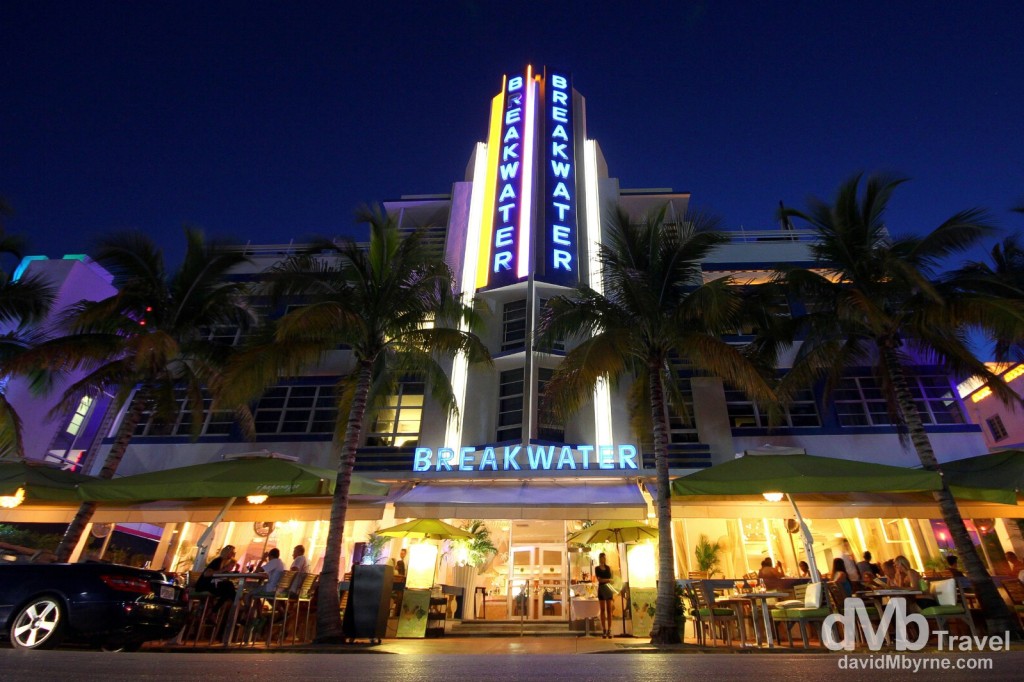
524, 225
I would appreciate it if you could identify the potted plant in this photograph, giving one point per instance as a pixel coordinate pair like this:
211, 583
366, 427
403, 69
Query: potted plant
470, 556
707, 555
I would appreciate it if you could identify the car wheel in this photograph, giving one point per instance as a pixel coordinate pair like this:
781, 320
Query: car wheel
39, 624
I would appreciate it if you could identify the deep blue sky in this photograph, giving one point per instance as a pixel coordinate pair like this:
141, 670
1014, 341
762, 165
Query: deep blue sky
270, 121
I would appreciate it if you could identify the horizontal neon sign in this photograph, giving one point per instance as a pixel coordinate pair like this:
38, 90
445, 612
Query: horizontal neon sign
527, 458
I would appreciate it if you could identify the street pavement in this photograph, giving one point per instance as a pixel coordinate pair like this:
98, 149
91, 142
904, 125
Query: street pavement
470, 662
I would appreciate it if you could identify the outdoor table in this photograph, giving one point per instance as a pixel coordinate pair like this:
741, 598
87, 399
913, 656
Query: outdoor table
587, 609
763, 598
878, 597
736, 602
240, 580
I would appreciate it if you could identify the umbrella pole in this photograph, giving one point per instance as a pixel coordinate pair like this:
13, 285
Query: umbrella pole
203, 544
808, 541
623, 603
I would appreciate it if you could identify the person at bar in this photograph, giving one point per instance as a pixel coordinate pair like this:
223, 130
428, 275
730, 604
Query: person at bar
840, 576
805, 570
223, 590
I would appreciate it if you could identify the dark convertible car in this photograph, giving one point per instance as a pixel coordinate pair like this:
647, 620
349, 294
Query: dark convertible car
42, 605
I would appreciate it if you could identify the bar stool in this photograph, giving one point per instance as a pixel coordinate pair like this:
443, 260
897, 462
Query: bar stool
304, 597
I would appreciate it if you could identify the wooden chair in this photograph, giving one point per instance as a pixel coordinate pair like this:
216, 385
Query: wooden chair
1015, 591
304, 597
713, 618
692, 609
838, 597
813, 612
952, 605
260, 617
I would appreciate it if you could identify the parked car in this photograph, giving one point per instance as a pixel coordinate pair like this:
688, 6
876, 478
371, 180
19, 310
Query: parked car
43, 605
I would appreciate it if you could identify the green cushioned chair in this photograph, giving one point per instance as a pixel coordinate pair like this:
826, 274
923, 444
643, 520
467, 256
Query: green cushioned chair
816, 608
952, 605
713, 619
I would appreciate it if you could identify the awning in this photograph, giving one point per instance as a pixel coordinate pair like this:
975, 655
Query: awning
551, 500
834, 506
201, 511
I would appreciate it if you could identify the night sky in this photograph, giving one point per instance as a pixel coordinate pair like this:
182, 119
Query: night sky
270, 121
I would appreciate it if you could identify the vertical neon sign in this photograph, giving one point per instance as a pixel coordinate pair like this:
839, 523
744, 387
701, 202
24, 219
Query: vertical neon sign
560, 263
509, 257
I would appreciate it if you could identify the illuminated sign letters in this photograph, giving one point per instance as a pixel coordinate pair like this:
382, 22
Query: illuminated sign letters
527, 458
559, 243
512, 174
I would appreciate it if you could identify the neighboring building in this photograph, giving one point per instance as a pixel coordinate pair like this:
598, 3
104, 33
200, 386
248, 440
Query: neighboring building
1001, 424
61, 440
524, 226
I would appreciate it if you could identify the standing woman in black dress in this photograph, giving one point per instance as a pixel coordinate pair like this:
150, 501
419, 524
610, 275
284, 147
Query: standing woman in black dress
603, 573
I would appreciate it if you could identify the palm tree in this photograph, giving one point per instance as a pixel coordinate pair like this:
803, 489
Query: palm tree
1003, 279
654, 311
389, 302
881, 302
148, 342
24, 302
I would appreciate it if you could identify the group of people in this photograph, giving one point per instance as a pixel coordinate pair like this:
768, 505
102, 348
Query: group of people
271, 565
771, 570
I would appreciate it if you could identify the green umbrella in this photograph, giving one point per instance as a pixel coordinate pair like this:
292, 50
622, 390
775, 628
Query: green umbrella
757, 474
236, 477
39, 481
619, 532
992, 477
430, 529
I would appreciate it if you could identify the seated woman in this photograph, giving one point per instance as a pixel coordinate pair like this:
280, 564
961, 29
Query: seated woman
766, 570
839, 576
909, 579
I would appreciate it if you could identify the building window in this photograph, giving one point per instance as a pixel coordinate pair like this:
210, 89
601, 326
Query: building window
549, 427
179, 421
860, 401
513, 325
296, 409
78, 418
682, 423
744, 413
398, 421
510, 405
996, 427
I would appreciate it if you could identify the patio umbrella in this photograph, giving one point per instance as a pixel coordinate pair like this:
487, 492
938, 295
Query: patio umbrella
229, 478
235, 477
992, 477
39, 481
429, 529
788, 474
619, 532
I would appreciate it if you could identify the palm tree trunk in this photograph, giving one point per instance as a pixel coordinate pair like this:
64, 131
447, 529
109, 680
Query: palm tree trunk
85, 511
665, 629
328, 617
997, 616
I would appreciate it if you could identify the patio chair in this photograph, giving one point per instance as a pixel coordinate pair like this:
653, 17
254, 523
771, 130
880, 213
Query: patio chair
259, 617
1015, 591
952, 605
304, 598
713, 618
812, 613
838, 597
692, 608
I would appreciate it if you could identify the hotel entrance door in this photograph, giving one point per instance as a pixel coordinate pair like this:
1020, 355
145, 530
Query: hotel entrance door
538, 587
